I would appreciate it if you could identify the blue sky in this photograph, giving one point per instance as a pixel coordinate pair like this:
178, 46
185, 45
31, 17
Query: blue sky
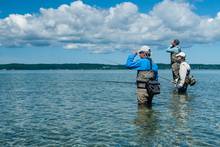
43, 36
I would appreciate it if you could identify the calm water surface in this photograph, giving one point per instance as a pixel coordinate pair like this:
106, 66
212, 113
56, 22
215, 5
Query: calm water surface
61, 108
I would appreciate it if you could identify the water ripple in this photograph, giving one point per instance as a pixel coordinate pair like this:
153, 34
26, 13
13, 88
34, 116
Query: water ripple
59, 108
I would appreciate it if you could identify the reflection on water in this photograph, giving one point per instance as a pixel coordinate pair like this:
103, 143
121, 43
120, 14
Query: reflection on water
61, 108
180, 111
147, 126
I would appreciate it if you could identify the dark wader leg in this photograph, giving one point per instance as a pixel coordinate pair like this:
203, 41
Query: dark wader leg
183, 89
149, 102
143, 97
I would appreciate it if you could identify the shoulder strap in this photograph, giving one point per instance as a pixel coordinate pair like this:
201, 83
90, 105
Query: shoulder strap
151, 64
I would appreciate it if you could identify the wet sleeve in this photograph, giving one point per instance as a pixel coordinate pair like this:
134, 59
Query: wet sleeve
173, 50
131, 63
169, 50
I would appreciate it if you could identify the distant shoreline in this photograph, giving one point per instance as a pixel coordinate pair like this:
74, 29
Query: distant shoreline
88, 66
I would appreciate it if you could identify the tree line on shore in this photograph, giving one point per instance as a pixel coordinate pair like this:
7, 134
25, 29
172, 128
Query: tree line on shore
89, 66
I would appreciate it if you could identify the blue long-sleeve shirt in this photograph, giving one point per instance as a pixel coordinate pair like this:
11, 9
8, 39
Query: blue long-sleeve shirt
141, 64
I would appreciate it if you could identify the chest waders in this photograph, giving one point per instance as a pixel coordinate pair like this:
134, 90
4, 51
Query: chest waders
146, 80
174, 64
185, 85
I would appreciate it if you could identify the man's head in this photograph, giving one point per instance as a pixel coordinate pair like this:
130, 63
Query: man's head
175, 42
144, 51
181, 57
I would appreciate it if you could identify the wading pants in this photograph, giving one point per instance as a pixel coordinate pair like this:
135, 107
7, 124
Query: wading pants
143, 97
175, 70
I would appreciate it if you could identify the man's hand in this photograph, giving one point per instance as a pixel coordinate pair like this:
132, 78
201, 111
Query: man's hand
179, 85
171, 45
135, 52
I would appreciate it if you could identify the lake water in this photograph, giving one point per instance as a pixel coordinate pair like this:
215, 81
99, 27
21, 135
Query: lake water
61, 108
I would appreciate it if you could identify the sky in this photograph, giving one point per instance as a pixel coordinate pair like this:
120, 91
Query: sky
106, 31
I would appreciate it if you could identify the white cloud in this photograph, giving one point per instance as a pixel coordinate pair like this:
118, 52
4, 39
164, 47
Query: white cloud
70, 46
80, 26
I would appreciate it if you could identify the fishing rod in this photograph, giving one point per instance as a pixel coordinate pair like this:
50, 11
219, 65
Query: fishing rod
118, 82
117, 63
165, 79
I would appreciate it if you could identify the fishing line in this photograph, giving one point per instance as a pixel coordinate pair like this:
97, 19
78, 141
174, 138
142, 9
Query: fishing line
105, 81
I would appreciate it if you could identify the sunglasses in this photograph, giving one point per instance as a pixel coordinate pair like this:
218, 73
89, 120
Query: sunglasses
141, 52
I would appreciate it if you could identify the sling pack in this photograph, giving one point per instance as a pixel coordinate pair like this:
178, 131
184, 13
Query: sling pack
146, 80
191, 80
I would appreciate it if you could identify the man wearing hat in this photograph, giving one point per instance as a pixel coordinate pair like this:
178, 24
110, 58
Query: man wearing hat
174, 49
184, 73
146, 70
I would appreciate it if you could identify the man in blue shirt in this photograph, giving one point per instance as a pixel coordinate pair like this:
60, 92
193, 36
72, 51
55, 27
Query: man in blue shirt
147, 70
174, 49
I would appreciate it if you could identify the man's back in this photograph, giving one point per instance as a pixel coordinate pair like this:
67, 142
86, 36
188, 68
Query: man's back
183, 72
173, 52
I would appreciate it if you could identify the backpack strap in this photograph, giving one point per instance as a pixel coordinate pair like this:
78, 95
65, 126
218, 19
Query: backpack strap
151, 66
